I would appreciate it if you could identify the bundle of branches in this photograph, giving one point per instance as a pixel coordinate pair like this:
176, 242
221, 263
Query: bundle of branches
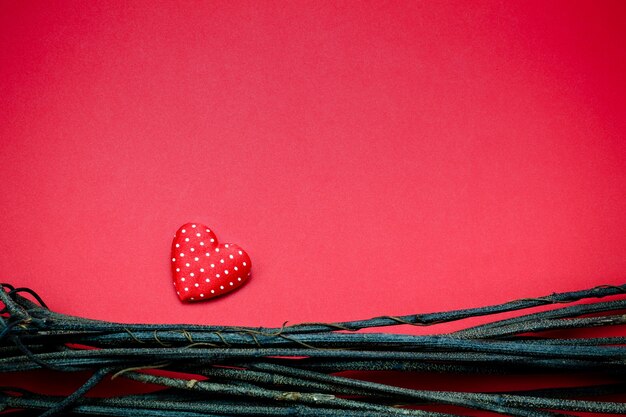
292, 370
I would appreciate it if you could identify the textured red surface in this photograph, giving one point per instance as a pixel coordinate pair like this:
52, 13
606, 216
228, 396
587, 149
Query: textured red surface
371, 157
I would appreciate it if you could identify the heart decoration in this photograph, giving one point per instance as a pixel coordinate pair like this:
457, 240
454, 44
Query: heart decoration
204, 268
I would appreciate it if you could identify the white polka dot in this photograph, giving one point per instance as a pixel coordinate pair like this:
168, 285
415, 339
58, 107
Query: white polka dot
221, 287
173, 259
182, 254
186, 239
193, 225
226, 271
212, 291
226, 245
212, 240
177, 245
221, 260
191, 298
191, 275
177, 292
187, 265
244, 264
207, 254
239, 279
217, 249
177, 269
208, 231
201, 295
197, 285
196, 259
217, 275
184, 231
231, 256
240, 253
231, 283
212, 265
201, 243
201, 269
182, 279
207, 280
198, 234
186, 289
192, 249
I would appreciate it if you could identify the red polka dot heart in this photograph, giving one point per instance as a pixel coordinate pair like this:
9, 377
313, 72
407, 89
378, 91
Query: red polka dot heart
202, 267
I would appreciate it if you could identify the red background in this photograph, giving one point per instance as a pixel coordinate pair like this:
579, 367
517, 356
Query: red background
371, 157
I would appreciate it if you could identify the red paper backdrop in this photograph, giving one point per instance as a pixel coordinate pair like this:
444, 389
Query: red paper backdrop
372, 157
